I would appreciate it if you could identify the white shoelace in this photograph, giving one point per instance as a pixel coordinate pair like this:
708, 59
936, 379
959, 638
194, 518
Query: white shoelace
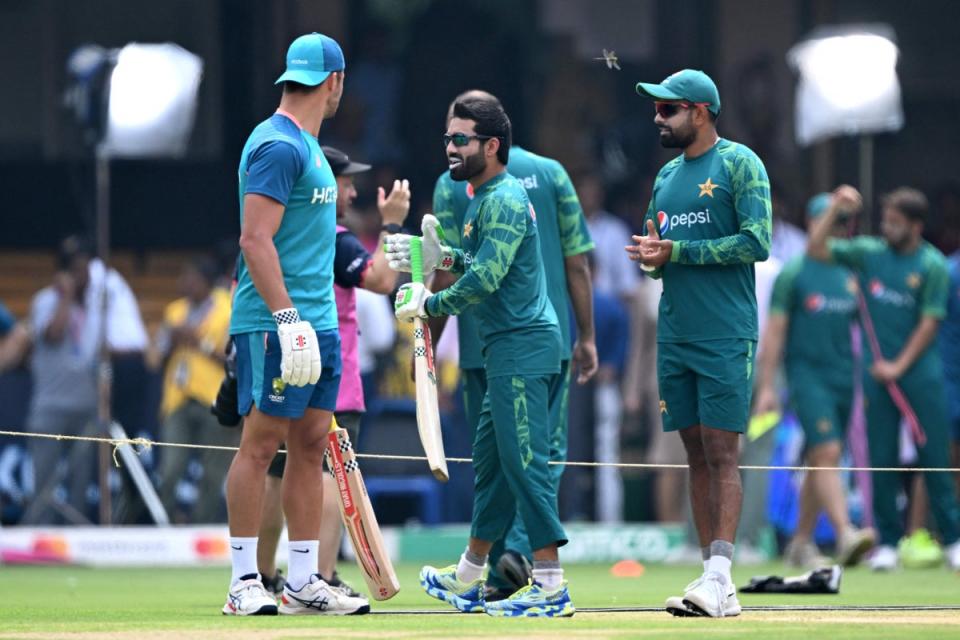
259, 591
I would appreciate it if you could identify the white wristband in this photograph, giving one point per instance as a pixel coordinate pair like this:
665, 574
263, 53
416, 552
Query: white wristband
286, 316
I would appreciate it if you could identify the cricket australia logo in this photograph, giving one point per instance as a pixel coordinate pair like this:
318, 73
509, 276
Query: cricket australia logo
278, 386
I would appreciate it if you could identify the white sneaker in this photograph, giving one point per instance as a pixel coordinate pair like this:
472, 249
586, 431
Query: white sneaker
854, 544
804, 554
675, 605
953, 556
884, 558
249, 598
317, 597
713, 597
678, 605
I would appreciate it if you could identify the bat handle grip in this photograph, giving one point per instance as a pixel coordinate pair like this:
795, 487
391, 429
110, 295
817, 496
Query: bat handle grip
416, 260
333, 424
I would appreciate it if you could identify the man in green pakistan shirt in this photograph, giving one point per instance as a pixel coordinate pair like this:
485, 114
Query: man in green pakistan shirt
709, 220
504, 281
904, 283
812, 310
564, 243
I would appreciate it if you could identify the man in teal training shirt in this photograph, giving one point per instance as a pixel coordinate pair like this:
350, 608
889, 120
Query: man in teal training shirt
709, 220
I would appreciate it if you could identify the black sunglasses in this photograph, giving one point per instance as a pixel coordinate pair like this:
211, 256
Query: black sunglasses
462, 139
667, 110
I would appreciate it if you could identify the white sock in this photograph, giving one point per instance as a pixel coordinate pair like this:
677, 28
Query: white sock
243, 557
549, 579
705, 564
720, 565
302, 562
467, 571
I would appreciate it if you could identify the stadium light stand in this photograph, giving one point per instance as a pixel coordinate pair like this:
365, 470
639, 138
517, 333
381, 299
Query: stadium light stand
135, 102
848, 86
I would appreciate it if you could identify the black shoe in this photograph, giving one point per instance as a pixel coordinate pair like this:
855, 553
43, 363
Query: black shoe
515, 570
337, 583
492, 594
275, 584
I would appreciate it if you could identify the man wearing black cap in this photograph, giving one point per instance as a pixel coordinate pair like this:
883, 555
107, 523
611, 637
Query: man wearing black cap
709, 220
353, 266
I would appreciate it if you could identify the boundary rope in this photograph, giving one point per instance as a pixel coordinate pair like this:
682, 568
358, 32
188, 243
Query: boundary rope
146, 443
748, 609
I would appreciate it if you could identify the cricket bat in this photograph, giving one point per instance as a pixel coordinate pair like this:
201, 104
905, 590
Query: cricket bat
896, 393
358, 516
428, 411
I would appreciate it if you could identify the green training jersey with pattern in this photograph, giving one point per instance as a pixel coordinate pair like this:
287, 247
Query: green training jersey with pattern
819, 301
503, 282
561, 227
716, 210
899, 289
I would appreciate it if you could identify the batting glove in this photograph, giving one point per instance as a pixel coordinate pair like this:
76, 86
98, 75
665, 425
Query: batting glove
436, 254
411, 301
300, 352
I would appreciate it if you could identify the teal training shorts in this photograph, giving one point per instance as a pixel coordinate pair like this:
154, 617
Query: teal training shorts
822, 410
706, 383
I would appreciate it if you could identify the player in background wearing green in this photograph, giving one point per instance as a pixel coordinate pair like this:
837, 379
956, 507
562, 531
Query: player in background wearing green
564, 243
709, 220
812, 309
904, 281
503, 280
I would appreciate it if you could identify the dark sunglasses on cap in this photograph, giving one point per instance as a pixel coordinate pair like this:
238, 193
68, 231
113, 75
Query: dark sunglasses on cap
669, 109
462, 139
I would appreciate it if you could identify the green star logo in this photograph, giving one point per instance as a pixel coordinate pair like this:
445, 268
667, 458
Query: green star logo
278, 386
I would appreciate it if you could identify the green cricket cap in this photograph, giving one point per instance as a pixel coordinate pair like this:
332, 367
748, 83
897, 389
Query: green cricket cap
687, 84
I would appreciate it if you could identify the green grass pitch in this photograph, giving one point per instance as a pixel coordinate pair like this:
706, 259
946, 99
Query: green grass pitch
162, 604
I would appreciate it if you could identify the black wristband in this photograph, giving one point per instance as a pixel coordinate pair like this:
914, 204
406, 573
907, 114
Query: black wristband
391, 227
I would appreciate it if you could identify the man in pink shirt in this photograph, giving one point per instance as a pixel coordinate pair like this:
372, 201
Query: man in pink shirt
353, 267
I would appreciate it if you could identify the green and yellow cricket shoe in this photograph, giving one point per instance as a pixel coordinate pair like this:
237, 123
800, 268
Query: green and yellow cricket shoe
442, 584
919, 550
533, 601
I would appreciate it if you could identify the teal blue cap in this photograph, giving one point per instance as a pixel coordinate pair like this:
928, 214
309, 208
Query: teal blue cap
818, 204
688, 84
311, 58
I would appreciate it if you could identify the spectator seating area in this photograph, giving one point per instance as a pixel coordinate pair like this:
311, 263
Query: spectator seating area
152, 275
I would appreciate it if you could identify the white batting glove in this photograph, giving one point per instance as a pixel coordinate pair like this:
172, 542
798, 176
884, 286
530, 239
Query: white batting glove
411, 301
436, 254
300, 352
396, 249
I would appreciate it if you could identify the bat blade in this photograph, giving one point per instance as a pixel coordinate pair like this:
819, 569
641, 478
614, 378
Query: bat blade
359, 518
428, 410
